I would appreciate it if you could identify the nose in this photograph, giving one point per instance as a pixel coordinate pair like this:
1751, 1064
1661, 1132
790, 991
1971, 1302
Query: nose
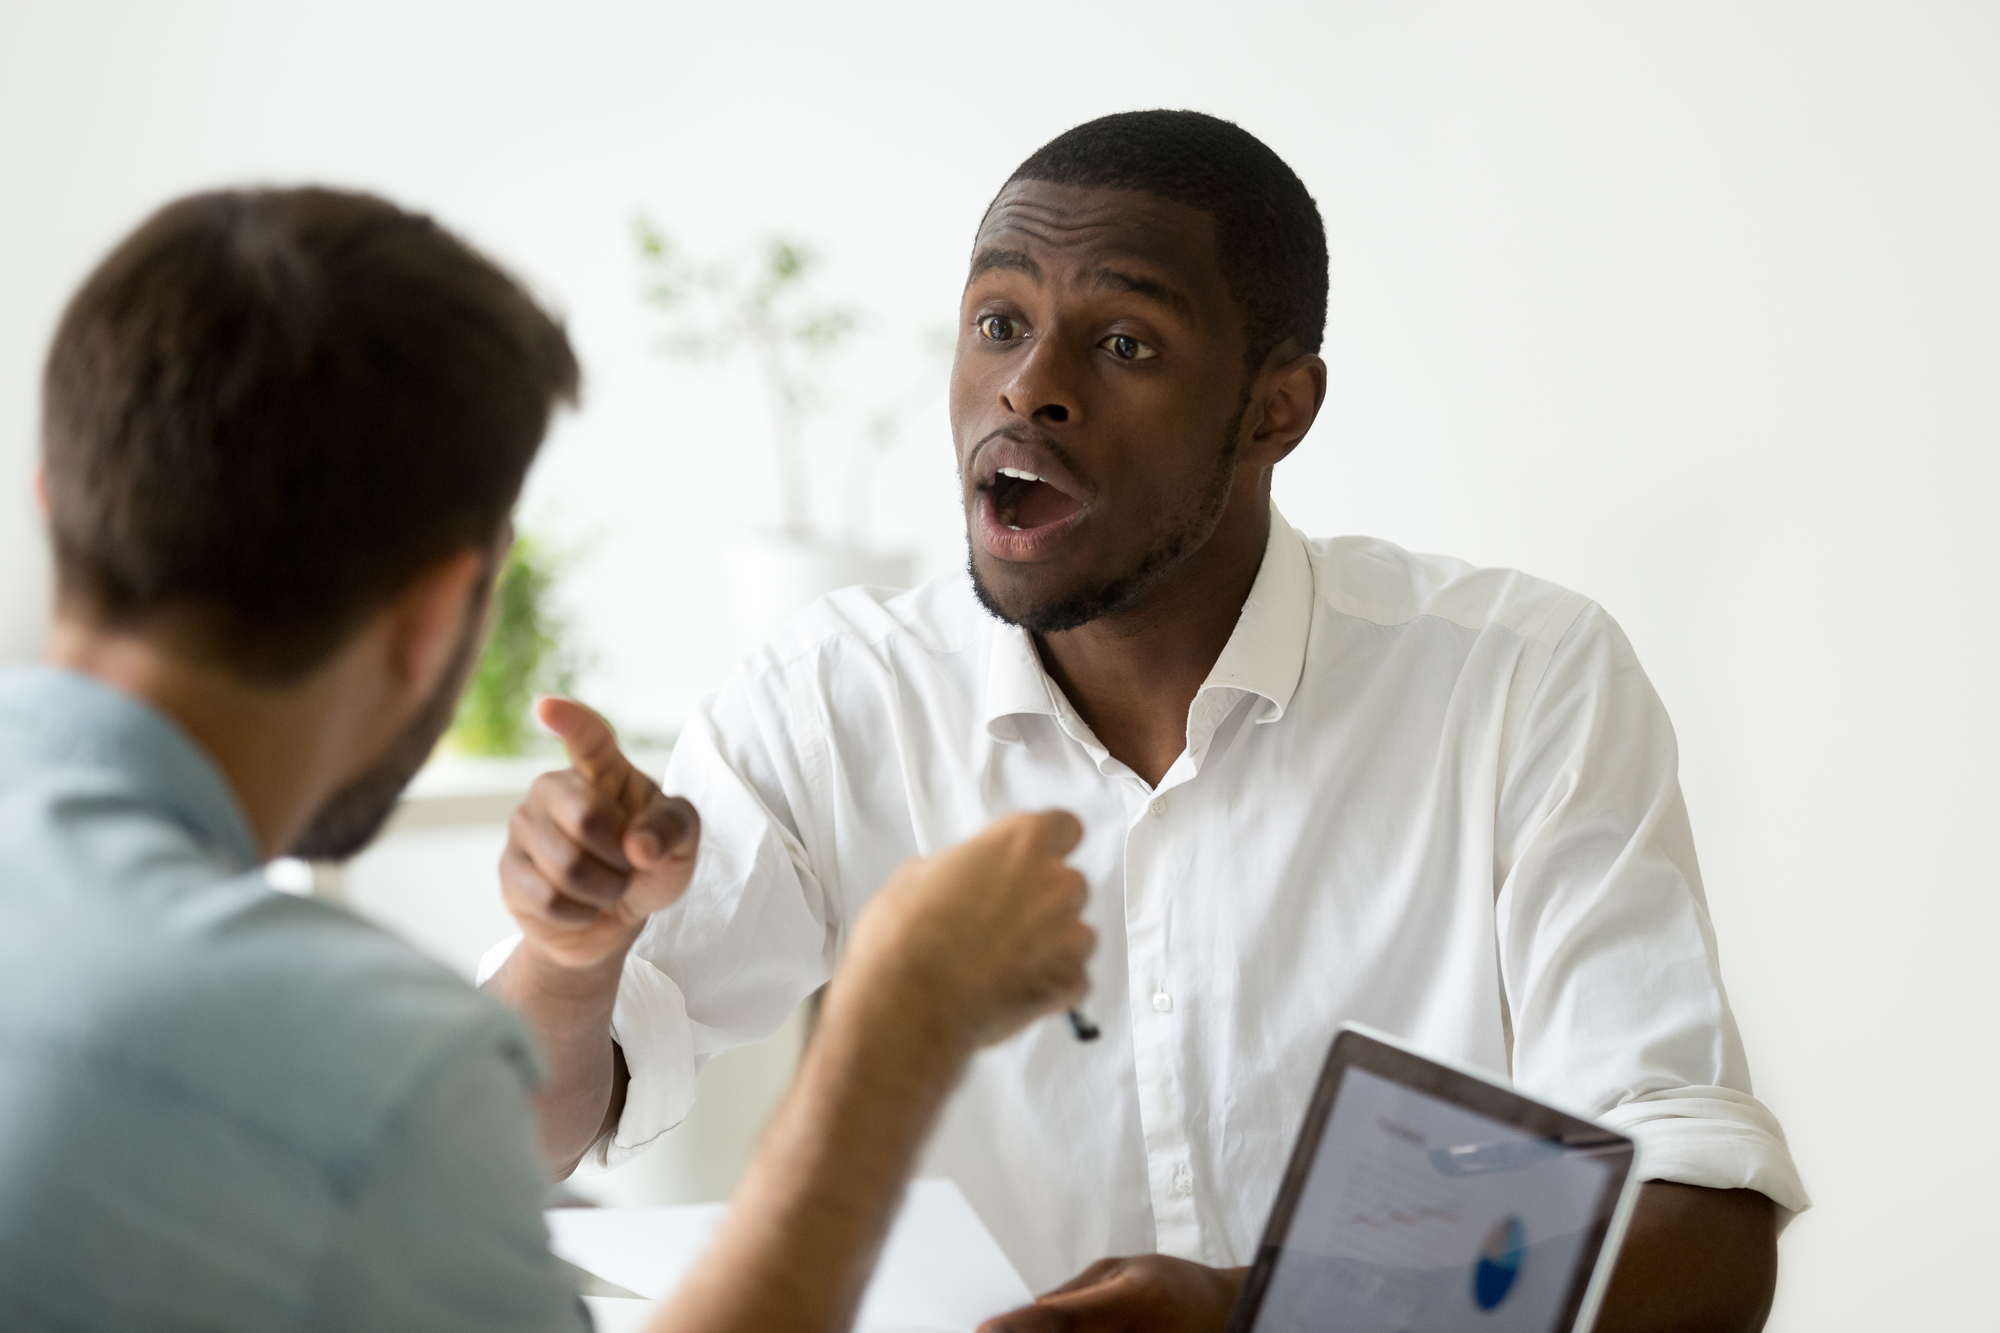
1043, 387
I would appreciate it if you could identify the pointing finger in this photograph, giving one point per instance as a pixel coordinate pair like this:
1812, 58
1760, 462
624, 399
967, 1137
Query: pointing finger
592, 745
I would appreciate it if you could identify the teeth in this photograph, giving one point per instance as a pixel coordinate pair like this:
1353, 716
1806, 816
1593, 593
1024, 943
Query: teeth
1018, 475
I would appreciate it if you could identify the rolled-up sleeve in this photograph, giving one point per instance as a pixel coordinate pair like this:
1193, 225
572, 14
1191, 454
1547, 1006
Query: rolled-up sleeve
1608, 958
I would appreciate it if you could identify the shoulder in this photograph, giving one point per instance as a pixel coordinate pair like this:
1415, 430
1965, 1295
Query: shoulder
285, 1019
369, 1012
235, 1075
939, 616
361, 985
1377, 581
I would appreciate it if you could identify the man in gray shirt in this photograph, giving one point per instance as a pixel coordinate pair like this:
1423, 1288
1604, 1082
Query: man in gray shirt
283, 432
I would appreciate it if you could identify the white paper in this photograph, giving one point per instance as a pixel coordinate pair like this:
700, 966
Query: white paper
941, 1271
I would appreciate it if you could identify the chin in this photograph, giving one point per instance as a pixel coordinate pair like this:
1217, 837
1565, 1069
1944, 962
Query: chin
349, 819
353, 816
1041, 600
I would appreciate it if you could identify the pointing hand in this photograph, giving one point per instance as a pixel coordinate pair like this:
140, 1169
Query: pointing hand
594, 849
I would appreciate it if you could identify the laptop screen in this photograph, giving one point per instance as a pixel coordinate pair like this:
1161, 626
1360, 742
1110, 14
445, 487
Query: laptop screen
1418, 1215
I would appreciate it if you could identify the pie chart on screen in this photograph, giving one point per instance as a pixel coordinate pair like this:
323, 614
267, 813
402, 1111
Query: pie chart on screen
1499, 1262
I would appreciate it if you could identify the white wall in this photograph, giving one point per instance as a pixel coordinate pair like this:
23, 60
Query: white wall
1688, 306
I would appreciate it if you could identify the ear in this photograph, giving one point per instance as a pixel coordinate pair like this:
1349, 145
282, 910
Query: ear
41, 493
1289, 391
427, 619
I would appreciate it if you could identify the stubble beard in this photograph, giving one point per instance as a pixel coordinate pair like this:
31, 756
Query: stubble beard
350, 818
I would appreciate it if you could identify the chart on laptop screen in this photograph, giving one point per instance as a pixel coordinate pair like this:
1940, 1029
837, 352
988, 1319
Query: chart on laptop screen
1420, 1216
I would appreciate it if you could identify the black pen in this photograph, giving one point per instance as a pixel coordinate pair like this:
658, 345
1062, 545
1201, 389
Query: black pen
1080, 1024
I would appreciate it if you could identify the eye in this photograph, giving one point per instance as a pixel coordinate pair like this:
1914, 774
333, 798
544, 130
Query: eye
998, 329
1127, 348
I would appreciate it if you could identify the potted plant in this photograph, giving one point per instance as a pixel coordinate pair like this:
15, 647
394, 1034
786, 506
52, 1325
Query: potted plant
527, 653
765, 306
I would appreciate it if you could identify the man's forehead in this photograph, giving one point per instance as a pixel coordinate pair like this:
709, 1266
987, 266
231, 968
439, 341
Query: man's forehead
1048, 221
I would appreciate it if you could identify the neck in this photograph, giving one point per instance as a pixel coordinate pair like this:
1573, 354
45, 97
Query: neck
1133, 676
271, 743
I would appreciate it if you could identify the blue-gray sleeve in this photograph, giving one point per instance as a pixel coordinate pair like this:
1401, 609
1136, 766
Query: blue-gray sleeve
445, 1229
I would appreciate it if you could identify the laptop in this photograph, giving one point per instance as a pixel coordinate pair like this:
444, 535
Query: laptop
1427, 1198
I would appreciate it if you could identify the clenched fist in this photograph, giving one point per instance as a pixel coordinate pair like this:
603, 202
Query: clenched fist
595, 849
982, 937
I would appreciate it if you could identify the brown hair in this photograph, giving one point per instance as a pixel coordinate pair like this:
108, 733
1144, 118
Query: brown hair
268, 410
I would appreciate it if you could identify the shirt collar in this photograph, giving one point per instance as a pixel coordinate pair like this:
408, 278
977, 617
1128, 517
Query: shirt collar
51, 718
1265, 655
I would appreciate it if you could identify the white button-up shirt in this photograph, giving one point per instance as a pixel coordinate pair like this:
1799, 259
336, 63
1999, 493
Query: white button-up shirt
1438, 799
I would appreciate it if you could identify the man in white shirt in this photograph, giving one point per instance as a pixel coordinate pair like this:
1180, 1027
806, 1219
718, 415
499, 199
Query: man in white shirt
1320, 780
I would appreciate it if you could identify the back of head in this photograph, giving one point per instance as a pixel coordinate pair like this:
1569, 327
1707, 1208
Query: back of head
1268, 234
267, 411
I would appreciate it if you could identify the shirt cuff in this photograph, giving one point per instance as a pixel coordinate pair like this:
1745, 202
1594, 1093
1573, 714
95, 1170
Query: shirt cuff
1717, 1138
650, 1024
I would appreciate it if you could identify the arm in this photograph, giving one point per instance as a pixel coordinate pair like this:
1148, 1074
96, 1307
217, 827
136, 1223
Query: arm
592, 852
1694, 1261
1610, 970
570, 1008
956, 952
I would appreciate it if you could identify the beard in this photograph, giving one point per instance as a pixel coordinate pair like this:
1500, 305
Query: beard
350, 818
1169, 549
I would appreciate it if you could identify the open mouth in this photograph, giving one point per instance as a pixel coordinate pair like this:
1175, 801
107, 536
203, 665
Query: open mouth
1023, 501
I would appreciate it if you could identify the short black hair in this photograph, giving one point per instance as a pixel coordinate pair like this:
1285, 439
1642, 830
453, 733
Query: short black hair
1268, 234
268, 410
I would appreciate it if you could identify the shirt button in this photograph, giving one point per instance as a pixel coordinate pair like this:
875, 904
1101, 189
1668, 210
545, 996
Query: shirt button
1163, 1001
1183, 1180
1159, 806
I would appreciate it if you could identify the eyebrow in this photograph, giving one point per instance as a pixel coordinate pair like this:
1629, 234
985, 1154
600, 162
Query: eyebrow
1018, 261
1146, 287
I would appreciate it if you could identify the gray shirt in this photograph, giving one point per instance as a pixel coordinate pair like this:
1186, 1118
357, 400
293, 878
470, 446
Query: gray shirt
222, 1107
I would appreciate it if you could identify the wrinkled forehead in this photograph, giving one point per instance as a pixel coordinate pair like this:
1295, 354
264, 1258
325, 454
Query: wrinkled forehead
1062, 226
